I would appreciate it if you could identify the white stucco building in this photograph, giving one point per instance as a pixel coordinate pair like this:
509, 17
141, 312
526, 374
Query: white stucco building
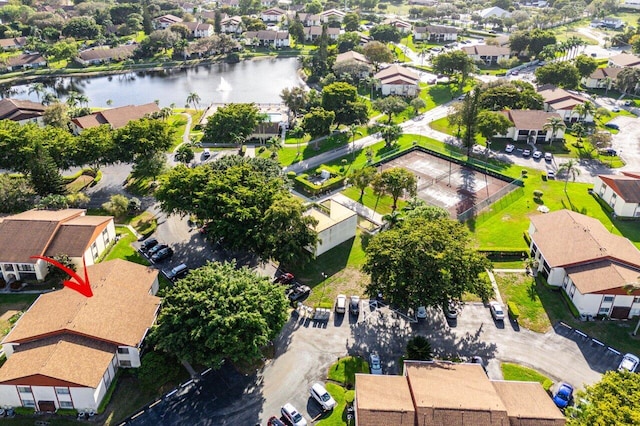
65, 350
593, 266
621, 192
336, 224
398, 80
51, 233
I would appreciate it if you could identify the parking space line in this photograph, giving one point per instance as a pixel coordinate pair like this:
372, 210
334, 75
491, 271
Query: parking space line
613, 350
597, 342
580, 333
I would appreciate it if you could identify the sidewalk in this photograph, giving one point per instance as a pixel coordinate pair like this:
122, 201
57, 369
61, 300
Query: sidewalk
362, 210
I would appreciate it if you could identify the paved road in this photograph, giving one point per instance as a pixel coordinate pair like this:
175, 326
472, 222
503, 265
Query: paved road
306, 349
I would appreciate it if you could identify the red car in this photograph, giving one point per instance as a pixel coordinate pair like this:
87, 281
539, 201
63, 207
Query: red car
274, 421
286, 278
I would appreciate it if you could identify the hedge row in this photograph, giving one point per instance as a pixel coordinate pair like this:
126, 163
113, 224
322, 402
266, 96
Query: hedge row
514, 312
309, 188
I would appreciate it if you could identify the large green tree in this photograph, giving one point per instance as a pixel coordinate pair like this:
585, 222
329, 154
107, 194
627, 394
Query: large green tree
245, 202
362, 178
219, 313
142, 138
423, 262
317, 122
390, 105
342, 99
377, 53
454, 64
561, 74
614, 400
586, 65
232, 123
385, 33
492, 123
515, 94
469, 118
396, 182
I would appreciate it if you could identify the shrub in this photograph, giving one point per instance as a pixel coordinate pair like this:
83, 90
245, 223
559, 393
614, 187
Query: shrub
538, 194
349, 396
524, 173
261, 149
67, 412
291, 175
514, 312
24, 411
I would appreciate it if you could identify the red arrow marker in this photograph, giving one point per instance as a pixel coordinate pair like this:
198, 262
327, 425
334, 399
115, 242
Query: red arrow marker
81, 286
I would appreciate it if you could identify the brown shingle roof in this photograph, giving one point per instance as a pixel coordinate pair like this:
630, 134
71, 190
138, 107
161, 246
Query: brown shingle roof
29, 233
528, 403
601, 73
383, 400
74, 237
351, 56
13, 42
525, 119
458, 387
18, 109
486, 50
26, 59
107, 53
396, 70
627, 187
559, 99
625, 60
116, 117
119, 312
583, 240
604, 277
69, 360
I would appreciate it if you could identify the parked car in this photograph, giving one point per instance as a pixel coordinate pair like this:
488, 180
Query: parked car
286, 278
629, 362
162, 255
153, 250
292, 415
551, 174
608, 151
509, 148
178, 272
354, 305
421, 313
526, 153
374, 363
274, 421
320, 394
537, 154
148, 244
298, 292
548, 156
615, 109
496, 311
612, 126
563, 396
341, 304
627, 102
450, 310
478, 360
206, 153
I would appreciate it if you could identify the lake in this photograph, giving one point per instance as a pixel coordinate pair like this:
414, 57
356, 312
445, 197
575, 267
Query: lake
259, 80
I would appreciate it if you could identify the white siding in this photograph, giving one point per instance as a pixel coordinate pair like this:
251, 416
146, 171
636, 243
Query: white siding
620, 206
336, 234
9, 396
399, 89
131, 356
87, 398
556, 276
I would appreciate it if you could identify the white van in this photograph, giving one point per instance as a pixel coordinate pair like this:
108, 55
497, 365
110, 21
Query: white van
320, 394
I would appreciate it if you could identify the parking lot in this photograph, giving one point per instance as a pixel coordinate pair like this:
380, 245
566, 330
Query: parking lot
306, 349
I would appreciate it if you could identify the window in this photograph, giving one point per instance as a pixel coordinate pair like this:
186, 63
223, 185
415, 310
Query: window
105, 236
28, 403
608, 299
26, 267
24, 389
572, 290
604, 311
122, 350
602, 189
62, 391
636, 299
66, 404
125, 363
94, 250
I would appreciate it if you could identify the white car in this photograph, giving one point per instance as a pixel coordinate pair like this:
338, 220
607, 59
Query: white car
526, 153
548, 156
292, 415
629, 362
551, 174
374, 364
320, 394
421, 313
496, 311
341, 304
537, 154
615, 109
509, 148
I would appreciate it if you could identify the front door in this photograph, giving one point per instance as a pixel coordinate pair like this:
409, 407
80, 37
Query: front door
620, 312
47, 406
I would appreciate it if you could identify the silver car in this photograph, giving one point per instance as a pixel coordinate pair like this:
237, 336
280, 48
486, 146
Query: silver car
496, 311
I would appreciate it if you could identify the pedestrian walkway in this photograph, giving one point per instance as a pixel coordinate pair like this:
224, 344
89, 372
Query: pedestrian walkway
361, 209
496, 290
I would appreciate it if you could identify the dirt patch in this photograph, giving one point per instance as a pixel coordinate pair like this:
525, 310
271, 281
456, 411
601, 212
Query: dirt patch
349, 281
6, 315
79, 183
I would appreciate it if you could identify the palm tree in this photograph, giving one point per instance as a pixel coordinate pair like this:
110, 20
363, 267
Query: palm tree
392, 219
554, 124
585, 109
194, 99
38, 89
72, 99
628, 79
569, 167
353, 131
165, 113
82, 99
275, 144
49, 98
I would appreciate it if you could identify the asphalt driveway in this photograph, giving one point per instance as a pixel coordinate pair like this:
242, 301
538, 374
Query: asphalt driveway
306, 349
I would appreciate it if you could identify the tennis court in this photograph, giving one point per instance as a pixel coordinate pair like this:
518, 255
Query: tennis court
447, 184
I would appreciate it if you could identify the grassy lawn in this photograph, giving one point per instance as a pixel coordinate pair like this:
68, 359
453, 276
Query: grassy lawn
380, 205
344, 371
178, 123
508, 264
123, 248
145, 223
10, 305
523, 290
337, 416
517, 372
341, 265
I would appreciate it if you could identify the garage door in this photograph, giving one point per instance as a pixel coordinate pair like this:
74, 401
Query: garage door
620, 312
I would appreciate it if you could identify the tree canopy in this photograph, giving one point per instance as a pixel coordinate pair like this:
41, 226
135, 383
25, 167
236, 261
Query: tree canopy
424, 262
455, 63
245, 202
561, 74
219, 312
614, 400
232, 123
513, 94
